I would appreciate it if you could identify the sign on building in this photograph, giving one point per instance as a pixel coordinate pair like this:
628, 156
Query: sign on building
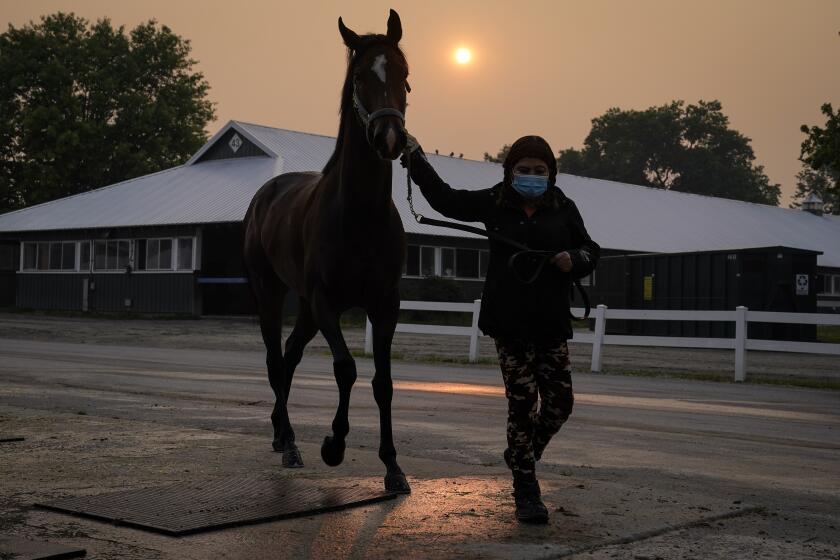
802, 284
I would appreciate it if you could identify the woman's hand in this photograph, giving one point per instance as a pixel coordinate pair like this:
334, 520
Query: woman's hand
411, 146
563, 261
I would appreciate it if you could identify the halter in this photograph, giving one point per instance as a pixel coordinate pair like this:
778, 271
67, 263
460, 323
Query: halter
366, 118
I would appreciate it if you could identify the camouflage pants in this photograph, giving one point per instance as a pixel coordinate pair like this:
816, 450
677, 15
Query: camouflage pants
538, 386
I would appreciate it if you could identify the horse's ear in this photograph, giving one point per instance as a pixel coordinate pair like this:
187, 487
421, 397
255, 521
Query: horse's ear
351, 38
394, 27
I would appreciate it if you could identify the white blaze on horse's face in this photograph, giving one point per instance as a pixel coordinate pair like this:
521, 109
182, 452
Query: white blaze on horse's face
378, 67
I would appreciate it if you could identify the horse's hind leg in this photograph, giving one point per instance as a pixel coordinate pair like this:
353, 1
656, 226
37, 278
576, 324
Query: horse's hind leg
344, 368
305, 329
384, 322
270, 296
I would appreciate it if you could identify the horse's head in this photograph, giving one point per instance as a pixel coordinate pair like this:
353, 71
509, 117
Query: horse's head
377, 85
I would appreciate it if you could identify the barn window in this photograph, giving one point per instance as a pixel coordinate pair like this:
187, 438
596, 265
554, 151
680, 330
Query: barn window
43, 256
483, 262
165, 254
427, 261
49, 256
68, 256
99, 251
831, 285
419, 261
466, 263
412, 261
447, 262
111, 254
158, 254
55, 256
84, 256
185, 253
30, 256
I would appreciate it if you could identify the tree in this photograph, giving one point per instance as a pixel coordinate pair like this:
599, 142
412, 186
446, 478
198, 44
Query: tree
83, 106
499, 157
820, 153
821, 183
687, 148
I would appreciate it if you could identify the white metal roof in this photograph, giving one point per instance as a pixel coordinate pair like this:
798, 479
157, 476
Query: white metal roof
617, 215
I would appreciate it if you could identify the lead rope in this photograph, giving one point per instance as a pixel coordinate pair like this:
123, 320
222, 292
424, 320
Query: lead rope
407, 155
538, 257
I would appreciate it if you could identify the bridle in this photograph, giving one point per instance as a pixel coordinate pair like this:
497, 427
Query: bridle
366, 118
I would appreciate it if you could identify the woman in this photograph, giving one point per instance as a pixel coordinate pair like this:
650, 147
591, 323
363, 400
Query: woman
530, 323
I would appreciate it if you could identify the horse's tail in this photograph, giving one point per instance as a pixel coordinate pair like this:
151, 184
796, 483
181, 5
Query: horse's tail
248, 251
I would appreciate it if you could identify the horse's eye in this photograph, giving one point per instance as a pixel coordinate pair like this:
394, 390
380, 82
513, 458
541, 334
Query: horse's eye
407, 87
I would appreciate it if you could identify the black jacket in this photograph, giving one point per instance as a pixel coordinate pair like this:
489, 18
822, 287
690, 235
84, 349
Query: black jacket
510, 308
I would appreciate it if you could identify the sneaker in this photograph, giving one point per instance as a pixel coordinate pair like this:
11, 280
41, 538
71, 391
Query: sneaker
529, 506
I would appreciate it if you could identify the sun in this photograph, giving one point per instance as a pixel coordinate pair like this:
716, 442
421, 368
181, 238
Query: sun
463, 55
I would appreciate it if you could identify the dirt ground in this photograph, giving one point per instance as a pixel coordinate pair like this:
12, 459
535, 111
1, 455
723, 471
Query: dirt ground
456, 510
647, 468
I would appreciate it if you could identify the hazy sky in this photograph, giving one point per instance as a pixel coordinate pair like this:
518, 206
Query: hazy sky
539, 67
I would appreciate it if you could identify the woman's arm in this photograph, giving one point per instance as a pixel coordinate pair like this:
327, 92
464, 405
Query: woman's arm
584, 252
458, 204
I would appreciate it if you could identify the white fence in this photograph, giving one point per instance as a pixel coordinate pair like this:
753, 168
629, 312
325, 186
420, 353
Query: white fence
741, 316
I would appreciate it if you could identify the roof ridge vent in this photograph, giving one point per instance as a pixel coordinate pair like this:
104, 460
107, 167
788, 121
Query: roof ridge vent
813, 204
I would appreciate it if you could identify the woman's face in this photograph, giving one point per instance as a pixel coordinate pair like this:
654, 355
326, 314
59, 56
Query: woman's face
530, 166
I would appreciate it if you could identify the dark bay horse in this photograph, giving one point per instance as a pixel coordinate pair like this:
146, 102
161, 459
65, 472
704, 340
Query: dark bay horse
336, 239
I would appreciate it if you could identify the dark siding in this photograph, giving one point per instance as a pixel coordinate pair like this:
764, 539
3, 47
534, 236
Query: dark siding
760, 279
50, 291
222, 150
9, 262
149, 293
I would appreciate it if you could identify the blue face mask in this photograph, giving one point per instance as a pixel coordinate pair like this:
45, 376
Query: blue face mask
530, 186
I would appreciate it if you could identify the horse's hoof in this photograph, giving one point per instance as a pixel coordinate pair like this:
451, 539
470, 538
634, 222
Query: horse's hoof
292, 458
396, 482
332, 452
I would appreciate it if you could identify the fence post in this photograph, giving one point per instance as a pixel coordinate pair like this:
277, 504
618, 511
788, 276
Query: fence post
474, 333
598, 339
368, 337
740, 343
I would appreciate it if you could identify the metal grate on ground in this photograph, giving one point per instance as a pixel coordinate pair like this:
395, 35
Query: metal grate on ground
25, 549
187, 508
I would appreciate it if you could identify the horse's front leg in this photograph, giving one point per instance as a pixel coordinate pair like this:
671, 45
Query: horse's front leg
344, 368
384, 321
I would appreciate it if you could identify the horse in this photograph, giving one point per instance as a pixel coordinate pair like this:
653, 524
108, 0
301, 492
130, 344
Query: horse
337, 240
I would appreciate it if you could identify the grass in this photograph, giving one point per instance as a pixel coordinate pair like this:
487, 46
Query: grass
828, 333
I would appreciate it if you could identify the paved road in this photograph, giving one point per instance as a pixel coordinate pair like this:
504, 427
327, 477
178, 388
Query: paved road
638, 456
243, 334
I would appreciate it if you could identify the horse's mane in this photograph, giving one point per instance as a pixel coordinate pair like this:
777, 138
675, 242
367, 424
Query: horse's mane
347, 90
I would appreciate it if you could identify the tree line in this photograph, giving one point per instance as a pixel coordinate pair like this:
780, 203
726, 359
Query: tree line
691, 148
87, 105
84, 105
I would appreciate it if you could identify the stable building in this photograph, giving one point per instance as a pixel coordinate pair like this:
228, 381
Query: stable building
171, 242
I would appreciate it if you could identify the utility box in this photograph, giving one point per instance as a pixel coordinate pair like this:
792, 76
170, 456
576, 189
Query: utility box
763, 279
